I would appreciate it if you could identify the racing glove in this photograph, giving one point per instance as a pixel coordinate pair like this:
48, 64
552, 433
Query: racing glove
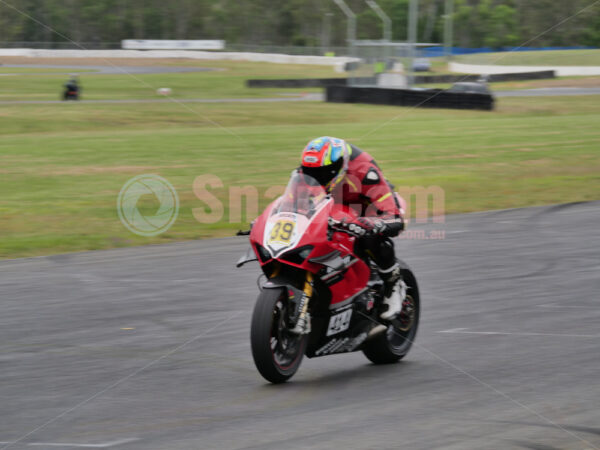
369, 226
373, 226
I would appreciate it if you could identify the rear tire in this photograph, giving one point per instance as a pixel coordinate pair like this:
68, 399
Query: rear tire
394, 344
277, 353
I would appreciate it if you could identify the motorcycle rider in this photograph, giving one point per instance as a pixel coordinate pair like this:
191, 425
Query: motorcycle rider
354, 179
71, 89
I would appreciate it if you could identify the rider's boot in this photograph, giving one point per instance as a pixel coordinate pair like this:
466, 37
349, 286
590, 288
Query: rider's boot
394, 291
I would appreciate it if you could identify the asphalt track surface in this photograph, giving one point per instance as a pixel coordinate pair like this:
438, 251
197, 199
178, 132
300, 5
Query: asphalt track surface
148, 348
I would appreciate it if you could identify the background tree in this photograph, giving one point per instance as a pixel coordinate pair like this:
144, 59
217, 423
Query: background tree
492, 23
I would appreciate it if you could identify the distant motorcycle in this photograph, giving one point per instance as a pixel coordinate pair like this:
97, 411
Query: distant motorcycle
305, 245
71, 91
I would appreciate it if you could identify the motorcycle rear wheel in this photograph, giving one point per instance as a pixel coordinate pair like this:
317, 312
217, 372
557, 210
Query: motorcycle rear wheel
277, 353
394, 344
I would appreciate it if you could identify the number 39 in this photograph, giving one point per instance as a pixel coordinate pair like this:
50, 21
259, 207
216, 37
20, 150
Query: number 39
282, 231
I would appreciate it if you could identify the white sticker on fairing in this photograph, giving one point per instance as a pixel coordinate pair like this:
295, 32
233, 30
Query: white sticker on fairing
339, 322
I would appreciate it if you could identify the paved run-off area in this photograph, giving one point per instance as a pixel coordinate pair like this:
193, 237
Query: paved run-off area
508, 354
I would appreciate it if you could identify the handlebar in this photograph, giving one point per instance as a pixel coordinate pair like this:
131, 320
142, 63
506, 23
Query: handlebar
357, 231
344, 227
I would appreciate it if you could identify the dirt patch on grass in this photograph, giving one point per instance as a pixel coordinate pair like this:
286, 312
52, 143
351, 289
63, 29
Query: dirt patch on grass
539, 162
458, 156
571, 82
554, 83
92, 170
533, 145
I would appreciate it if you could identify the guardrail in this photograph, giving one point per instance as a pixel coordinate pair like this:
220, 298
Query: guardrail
305, 82
522, 76
419, 79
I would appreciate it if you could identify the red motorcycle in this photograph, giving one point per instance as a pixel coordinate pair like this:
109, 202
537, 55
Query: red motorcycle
314, 272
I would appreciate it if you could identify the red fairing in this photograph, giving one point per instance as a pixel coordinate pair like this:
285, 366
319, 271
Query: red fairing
258, 227
357, 275
298, 230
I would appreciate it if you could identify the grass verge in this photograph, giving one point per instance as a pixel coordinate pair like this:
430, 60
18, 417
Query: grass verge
62, 166
536, 58
229, 81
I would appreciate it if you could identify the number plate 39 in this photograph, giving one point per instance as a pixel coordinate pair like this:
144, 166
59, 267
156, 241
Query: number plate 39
283, 231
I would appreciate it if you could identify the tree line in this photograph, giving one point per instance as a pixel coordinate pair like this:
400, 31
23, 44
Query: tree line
477, 23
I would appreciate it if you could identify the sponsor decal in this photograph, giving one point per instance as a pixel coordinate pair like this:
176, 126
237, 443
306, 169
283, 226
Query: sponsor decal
331, 346
341, 345
370, 304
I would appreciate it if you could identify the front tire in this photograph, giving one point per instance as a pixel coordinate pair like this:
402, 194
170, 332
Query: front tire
394, 344
277, 353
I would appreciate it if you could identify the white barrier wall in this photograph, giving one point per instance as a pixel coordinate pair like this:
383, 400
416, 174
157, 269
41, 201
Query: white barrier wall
490, 69
171, 44
190, 54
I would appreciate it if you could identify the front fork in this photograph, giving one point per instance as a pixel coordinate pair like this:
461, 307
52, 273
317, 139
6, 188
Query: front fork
298, 317
303, 323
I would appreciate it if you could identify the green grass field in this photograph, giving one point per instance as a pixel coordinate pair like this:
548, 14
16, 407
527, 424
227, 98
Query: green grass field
63, 165
536, 58
227, 82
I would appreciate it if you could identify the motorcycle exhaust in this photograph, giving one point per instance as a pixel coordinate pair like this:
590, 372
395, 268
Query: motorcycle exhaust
376, 330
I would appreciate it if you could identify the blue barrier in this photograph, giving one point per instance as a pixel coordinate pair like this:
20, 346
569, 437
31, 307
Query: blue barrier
433, 52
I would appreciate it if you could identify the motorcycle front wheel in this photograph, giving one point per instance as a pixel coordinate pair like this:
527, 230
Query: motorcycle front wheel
277, 353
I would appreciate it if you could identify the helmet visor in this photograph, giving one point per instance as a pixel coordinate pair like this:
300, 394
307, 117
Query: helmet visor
324, 174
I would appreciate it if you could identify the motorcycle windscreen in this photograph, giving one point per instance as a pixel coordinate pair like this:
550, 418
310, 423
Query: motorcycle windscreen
289, 219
